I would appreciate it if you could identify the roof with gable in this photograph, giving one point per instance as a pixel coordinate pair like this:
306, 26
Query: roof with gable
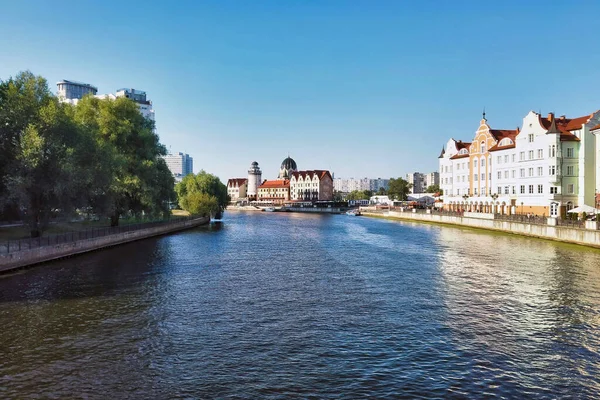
442, 153
320, 173
501, 134
597, 127
459, 146
236, 182
564, 125
275, 184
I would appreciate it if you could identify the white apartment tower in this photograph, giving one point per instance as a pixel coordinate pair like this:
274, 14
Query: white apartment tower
179, 164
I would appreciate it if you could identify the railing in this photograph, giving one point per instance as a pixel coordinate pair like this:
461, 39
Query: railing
570, 223
522, 218
12, 246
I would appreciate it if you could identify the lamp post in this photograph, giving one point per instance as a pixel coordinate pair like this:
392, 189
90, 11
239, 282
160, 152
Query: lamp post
494, 197
465, 196
521, 208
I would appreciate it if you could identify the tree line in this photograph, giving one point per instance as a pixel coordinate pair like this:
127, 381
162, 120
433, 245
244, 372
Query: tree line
99, 157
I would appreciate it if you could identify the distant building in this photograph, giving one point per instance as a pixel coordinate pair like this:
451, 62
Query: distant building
180, 165
350, 185
380, 200
137, 96
236, 188
72, 90
420, 182
376, 184
254, 180
288, 166
275, 191
314, 185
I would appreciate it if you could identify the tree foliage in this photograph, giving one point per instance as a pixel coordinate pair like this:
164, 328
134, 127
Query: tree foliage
399, 189
433, 189
215, 197
101, 155
359, 195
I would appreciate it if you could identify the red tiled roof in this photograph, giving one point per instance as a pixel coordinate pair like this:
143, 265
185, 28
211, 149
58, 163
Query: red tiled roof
500, 134
596, 127
319, 172
456, 156
275, 184
236, 182
565, 125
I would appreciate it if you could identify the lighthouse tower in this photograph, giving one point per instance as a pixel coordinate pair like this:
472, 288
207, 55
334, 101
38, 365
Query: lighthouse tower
254, 180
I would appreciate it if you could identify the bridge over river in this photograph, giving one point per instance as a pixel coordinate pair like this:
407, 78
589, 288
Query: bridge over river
286, 305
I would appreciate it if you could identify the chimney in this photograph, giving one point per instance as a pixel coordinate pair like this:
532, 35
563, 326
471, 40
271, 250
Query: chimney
550, 116
562, 117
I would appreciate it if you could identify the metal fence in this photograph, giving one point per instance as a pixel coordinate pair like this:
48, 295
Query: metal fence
12, 246
570, 223
522, 218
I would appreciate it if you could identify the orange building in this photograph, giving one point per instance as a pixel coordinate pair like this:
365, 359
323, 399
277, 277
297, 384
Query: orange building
275, 191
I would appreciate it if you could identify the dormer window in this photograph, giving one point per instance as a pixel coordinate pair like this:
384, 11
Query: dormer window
482, 147
505, 142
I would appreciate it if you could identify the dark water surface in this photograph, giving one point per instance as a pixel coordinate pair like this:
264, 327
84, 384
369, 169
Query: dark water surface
280, 305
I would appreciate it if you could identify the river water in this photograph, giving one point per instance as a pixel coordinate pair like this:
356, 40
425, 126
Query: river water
282, 305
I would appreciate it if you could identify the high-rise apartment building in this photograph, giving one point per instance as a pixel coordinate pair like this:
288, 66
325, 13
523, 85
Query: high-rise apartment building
71, 90
180, 165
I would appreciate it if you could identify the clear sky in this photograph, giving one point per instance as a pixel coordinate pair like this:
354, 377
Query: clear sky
362, 88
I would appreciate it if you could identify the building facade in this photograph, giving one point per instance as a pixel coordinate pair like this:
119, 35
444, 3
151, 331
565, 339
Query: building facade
420, 182
314, 185
180, 165
237, 188
546, 167
254, 180
274, 191
71, 91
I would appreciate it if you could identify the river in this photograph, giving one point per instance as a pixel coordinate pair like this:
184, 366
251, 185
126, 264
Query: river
283, 305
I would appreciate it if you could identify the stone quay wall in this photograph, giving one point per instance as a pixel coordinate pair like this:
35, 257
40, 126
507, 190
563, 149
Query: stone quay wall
585, 236
19, 259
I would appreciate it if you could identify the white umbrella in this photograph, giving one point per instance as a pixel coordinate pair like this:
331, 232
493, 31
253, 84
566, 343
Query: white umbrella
584, 209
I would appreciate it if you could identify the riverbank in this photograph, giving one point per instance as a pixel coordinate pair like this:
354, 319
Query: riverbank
581, 236
10, 261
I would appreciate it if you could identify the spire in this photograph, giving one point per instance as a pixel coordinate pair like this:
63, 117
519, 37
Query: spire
442, 153
484, 113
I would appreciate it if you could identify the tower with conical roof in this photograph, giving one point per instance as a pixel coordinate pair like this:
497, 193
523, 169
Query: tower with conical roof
254, 180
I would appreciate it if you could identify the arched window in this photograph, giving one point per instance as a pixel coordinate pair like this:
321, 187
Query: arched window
463, 151
474, 163
482, 147
482, 162
505, 142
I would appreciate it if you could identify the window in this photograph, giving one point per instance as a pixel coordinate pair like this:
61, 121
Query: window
552, 170
570, 152
475, 177
499, 175
531, 189
522, 189
552, 151
540, 189
570, 169
506, 174
490, 176
530, 155
482, 147
530, 137
522, 172
499, 190
458, 192
513, 157
522, 156
499, 159
514, 190
474, 163
530, 172
483, 162
540, 153
540, 171
506, 158
514, 173
475, 191
505, 189
553, 190
482, 177
570, 188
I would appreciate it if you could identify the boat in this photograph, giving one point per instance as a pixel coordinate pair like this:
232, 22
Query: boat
354, 213
269, 209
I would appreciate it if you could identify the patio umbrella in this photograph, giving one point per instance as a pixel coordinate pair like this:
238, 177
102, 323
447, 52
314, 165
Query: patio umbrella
584, 209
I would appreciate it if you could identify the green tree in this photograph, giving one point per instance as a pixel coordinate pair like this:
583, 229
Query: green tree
204, 183
359, 195
382, 191
399, 189
138, 180
433, 189
45, 154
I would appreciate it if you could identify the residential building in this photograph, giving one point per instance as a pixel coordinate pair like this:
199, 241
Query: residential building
420, 182
137, 96
432, 178
376, 184
180, 165
71, 91
274, 191
236, 188
314, 185
254, 180
596, 132
347, 185
544, 168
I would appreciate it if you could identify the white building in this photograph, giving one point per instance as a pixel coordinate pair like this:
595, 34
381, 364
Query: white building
237, 188
137, 96
420, 182
254, 180
71, 91
376, 184
314, 185
545, 168
180, 165
347, 185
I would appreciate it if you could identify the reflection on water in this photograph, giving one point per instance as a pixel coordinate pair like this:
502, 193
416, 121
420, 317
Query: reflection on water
292, 305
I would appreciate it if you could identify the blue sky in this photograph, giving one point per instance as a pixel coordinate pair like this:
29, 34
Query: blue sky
362, 88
